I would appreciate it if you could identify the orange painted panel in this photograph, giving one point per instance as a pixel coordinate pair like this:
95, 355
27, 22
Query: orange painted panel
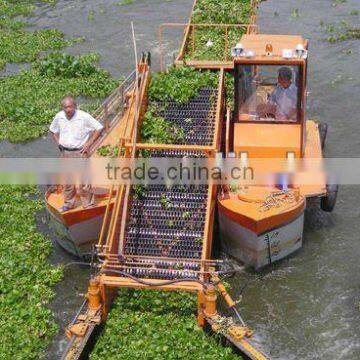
257, 43
267, 140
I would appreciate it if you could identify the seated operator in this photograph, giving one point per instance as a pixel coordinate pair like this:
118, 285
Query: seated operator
282, 102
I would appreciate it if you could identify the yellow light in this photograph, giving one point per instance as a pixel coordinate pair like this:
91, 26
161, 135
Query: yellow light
269, 50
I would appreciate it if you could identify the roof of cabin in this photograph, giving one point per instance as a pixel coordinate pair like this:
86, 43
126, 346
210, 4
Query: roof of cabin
258, 42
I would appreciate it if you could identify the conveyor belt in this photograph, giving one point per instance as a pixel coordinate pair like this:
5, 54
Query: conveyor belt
196, 118
169, 222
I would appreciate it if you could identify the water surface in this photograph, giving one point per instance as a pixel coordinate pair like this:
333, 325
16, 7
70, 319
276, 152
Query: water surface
308, 306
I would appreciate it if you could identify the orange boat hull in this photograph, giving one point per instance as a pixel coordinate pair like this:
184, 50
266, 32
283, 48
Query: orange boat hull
76, 230
259, 250
256, 235
78, 238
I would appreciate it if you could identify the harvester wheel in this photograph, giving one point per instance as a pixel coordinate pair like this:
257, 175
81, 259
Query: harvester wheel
329, 200
323, 128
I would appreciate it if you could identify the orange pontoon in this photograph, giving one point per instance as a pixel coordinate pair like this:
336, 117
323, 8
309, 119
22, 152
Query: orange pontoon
262, 223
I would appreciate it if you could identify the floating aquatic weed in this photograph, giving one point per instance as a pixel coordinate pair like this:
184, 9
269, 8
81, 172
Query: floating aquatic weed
178, 85
22, 46
139, 191
11, 24
156, 130
26, 277
19, 44
341, 32
163, 323
109, 151
164, 201
295, 13
217, 12
32, 97
68, 66
337, 2
125, 2
11, 9
222, 12
91, 15
353, 34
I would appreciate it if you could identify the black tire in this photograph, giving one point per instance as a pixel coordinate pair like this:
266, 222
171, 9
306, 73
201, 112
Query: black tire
323, 129
328, 202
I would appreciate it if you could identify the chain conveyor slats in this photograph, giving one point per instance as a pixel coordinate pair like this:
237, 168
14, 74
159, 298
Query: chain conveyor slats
196, 118
169, 222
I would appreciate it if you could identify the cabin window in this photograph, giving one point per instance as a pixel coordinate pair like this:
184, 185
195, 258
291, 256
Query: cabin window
267, 93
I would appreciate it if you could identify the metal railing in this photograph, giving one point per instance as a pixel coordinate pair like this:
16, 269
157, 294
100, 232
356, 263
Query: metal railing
195, 30
113, 108
112, 219
190, 42
114, 105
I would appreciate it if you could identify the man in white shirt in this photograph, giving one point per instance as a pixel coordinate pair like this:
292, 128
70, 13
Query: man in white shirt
282, 103
284, 97
75, 131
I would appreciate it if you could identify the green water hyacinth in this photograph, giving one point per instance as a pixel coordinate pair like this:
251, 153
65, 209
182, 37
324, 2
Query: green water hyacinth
179, 84
31, 98
151, 324
23, 46
222, 12
26, 278
19, 44
208, 43
11, 9
68, 66
108, 151
156, 130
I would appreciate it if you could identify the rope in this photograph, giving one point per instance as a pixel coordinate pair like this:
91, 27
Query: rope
276, 199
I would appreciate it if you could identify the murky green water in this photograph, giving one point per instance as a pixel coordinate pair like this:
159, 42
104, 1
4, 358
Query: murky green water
306, 307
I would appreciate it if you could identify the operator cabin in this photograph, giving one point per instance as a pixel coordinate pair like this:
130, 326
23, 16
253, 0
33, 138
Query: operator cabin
270, 82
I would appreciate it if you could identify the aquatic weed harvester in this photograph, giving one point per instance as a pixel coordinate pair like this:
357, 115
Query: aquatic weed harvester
160, 237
